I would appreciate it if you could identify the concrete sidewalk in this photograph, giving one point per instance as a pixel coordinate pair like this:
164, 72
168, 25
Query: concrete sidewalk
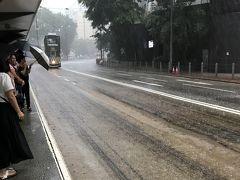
222, 77
43, 166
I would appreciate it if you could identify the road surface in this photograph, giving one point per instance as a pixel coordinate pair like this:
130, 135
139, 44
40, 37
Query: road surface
111, 124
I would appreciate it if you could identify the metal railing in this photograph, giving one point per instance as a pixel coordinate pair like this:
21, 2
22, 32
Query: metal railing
217, 70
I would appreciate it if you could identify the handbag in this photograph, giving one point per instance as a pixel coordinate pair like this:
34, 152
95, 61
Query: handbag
4, 99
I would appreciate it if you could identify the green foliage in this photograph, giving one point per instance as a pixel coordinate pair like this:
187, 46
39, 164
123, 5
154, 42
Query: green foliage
60, 24
113, 20
105, 12
190, 28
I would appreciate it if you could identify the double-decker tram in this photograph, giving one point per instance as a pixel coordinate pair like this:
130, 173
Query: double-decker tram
52, 49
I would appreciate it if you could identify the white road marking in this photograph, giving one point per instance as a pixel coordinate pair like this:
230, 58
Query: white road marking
211, 106
216, 89
151, 84
74, 83
194, 82
57, 155
66, 79
154, 79
121, 74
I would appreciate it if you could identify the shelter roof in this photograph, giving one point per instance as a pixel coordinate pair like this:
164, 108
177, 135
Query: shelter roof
16, 18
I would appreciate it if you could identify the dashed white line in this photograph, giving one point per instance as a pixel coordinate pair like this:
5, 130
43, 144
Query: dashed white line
216, 89
194, 82
154, 79
66, 79
121, 74
211, 106
151, 84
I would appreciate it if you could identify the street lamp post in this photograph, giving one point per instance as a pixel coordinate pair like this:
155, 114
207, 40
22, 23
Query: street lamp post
66, 29
171, 36
37, 30
37, 24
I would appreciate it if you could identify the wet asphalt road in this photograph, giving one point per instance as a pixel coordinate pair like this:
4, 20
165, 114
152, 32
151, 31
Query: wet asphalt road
112, 124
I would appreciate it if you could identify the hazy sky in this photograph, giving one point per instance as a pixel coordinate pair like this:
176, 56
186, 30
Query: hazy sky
84, 28
60, 5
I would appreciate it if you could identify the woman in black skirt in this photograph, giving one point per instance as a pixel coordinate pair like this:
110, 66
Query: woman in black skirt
13, 145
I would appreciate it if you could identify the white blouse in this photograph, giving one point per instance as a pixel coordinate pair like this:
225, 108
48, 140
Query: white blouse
5, 85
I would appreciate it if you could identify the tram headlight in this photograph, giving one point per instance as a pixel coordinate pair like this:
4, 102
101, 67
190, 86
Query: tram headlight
53, 61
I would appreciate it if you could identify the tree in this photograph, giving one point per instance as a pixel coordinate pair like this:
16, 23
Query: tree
49, 22
113, 20
190, 27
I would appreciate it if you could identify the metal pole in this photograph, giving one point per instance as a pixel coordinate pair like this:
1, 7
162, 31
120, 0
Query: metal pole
171, 36
189, 68
178, 67
169, 68
160, 66
233, 70
202, 68
37, 29
66, 30
216, 69
84, 29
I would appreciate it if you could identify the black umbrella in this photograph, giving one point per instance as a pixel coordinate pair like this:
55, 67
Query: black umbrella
40, 56
24, 46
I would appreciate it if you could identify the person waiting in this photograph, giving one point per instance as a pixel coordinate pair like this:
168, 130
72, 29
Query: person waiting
23, 72
14, 146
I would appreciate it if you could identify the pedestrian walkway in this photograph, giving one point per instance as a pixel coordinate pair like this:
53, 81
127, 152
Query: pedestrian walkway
223, 77
43, 165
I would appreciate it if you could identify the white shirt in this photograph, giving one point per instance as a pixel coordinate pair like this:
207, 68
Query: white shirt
5, 85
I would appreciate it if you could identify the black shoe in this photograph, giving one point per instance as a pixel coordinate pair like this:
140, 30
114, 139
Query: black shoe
29, 109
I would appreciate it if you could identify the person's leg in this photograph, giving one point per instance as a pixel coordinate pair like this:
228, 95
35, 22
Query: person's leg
20, 96
27, 95
6, 173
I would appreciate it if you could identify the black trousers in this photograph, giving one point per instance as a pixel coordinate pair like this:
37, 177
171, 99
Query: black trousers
26, 93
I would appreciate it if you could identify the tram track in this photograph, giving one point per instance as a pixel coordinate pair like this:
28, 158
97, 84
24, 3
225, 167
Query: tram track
136, 135
225, 129
162, 151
